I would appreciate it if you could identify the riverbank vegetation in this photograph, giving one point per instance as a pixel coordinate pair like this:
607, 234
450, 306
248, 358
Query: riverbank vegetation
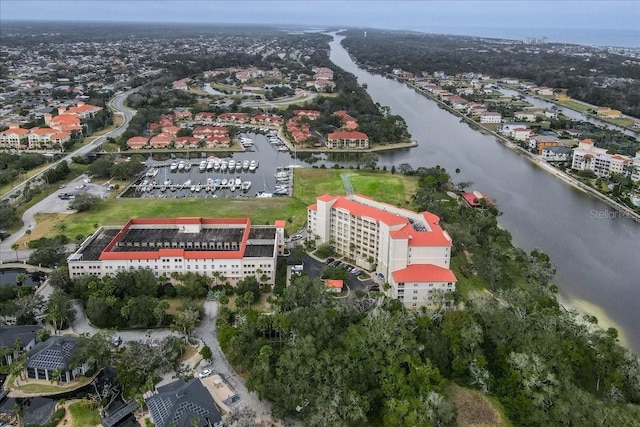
369, 361
606, 79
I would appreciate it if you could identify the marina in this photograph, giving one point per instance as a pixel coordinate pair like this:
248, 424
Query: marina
264, 171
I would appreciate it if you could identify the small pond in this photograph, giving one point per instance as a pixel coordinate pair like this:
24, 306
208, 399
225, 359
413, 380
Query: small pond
9, 276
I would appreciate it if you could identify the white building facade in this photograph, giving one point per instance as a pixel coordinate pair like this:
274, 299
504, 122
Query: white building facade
405, 248
232, 247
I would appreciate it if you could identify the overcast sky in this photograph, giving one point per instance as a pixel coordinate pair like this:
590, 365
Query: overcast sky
429, 16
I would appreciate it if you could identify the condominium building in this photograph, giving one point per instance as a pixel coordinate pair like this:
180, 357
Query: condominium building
589, 157
233, 247
407, 249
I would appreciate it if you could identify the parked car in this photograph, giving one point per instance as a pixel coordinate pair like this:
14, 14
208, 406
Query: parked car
356, 271
205, 373
330, 260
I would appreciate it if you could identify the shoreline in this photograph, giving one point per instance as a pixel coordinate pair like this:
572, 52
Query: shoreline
583, 307
625, 211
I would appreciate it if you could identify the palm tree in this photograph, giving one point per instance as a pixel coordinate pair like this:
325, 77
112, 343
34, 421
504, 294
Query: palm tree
15, 247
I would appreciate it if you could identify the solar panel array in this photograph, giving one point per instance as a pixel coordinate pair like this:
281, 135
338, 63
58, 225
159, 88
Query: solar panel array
159, 407
188, 407
48, 359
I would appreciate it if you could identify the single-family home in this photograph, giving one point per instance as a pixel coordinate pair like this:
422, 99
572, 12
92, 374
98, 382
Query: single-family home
490, 117
556, 154
14, 339
540, 142
183, 404
476, 199
54, 356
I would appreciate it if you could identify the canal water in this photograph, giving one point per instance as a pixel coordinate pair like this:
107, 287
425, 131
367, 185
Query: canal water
596, 250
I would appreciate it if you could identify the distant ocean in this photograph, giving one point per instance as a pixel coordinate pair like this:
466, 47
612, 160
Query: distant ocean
589, 37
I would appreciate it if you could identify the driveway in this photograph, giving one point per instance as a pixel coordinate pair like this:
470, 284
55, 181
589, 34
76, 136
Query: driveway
207, 332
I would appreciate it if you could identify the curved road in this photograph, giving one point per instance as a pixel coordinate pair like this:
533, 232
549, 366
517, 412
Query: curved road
28, 219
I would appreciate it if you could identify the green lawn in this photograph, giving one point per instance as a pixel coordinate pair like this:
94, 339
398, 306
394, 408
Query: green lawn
49, 388
575, 105
308, 184
83, 415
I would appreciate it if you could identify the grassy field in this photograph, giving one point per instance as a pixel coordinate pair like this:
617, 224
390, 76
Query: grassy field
575, 105
83, 415
308, 184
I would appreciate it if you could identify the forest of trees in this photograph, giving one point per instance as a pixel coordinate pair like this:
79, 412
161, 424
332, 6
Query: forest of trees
368, 360
607, 81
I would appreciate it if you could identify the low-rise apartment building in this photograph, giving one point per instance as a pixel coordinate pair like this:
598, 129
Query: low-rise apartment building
233, 247
352, 139
407, 249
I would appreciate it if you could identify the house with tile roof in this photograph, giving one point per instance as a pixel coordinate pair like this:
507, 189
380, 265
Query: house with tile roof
54, 354
14, 339
185, 404
407, 249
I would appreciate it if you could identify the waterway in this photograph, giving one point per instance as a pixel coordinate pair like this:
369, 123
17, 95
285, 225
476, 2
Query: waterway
572, 114
596, 250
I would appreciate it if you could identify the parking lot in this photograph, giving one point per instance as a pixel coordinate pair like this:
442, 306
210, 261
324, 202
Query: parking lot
313, 268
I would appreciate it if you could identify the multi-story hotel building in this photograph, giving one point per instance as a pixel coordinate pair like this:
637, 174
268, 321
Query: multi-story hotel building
231, 246
407, 249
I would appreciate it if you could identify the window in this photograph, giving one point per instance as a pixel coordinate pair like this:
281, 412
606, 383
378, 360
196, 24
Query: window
415, 291
415, 298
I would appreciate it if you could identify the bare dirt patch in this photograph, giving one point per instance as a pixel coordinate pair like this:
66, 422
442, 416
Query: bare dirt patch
474, 409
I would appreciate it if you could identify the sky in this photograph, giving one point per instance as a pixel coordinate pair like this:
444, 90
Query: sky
471, 17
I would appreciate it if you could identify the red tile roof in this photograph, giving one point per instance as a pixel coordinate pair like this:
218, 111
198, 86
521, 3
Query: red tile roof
334, 283
347, 135
422, 273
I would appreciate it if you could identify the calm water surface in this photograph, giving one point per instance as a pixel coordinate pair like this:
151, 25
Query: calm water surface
597, 253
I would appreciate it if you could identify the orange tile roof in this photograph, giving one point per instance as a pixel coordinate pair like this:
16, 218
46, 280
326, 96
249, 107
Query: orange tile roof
334, 283
422, 273
280, 223
347, 135
362, 210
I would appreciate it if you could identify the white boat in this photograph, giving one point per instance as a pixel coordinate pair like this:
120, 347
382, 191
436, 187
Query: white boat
181, 166
253, 165
238, 181
152, 172
283, 148
187, 183
173, 166
216, 165
246, 185
209, 165
224, 182
245, 165
238, 166
232, 188
198, 188
193, 188
203, 166
163, 188
187, 166
167, 182
263, 195
223, 166
232, 164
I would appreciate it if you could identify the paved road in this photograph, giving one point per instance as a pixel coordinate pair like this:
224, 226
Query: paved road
52, 203
208, 334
